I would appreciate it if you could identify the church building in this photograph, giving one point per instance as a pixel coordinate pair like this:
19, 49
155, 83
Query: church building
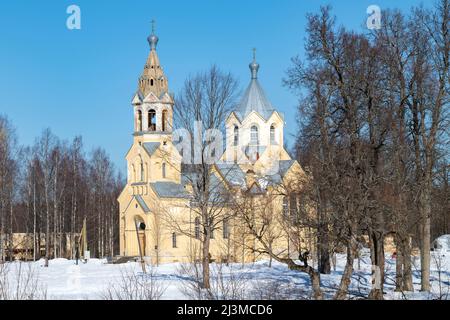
157, 198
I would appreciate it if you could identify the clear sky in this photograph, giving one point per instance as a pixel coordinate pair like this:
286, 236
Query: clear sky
80, 82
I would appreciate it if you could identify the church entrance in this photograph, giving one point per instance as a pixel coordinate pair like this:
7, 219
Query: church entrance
140, 232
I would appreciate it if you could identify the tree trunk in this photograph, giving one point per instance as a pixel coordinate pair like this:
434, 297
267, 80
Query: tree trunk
205, 255
323, 245
47, 224
425, 257
313, 275
399, 265
407, 266
34, 222
377, 258
342, 291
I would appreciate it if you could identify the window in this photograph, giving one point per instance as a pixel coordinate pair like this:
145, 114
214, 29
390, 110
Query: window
174, 240
211, 228
142, 171
164, 120
164, 170
285, 207
197, 228
236, 136
152, 120
272, 134
254, 137
151, 82
139, 120
293, 208
226, 228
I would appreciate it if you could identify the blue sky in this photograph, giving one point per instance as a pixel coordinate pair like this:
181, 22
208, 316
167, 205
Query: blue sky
81, 82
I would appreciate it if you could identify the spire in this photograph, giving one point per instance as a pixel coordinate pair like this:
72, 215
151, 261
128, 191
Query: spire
254, 66
153, 78
153, 39
254, 98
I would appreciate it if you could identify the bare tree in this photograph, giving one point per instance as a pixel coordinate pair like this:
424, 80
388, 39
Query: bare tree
8, 184
227, 282
429, 108
20, 281
274, 231
203, 104
133, 285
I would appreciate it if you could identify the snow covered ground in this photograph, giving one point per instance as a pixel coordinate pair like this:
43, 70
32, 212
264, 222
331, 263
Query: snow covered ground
64, 280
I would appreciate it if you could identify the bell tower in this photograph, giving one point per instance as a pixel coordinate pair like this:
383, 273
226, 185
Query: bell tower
152, 103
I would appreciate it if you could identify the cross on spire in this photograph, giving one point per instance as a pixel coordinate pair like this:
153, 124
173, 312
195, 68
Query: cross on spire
153, 39
254, 66
153, 26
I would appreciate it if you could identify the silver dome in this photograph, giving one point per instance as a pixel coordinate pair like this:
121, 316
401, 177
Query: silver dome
153, 41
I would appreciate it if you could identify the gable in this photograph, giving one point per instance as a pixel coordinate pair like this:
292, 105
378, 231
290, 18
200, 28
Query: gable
253, 117
233, 118
137, 199
166, 98
137, 99
276, 117
151, 97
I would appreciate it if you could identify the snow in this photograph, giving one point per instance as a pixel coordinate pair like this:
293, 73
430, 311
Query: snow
442, 243
65, 280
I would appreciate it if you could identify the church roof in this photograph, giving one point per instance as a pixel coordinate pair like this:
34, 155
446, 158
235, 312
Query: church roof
254, 98
142, 203
232, 173
285, 165
283, 168
169, 190
151, 147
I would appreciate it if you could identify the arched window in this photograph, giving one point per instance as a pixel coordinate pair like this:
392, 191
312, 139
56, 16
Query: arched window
164, 120
174, 240
152, 120
285, 207
236, 136
151, 82
254, 136
225, 228
163, 169
139, 121
197, 228
142, 171
272, 134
